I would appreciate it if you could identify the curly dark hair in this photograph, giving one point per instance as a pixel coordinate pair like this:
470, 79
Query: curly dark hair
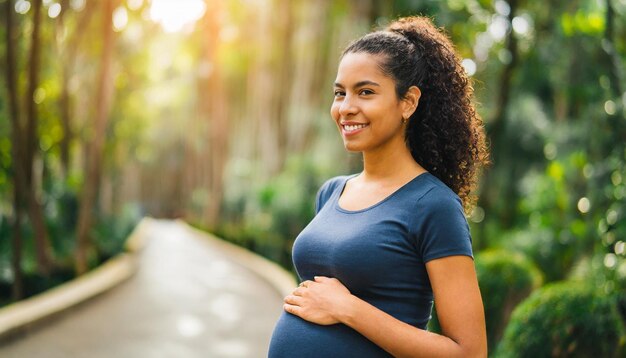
445, 134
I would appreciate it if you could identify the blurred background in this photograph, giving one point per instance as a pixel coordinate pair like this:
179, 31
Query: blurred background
217, 112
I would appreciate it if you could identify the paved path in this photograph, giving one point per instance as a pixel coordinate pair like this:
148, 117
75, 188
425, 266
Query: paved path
188, 299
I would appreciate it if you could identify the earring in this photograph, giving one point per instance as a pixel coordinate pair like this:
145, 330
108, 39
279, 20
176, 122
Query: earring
404, 120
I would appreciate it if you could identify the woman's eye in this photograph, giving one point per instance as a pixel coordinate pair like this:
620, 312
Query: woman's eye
366, 92
339, 94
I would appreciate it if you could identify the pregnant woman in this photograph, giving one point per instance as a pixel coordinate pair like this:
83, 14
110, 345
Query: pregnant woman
388, 242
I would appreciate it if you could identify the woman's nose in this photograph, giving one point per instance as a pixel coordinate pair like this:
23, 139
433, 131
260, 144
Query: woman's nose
347, 106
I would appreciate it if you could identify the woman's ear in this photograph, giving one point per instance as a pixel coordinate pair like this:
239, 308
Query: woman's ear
410, 101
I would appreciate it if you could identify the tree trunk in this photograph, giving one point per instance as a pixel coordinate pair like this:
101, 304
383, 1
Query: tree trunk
43, 249
213, 111
67, 51
613, 59
283, 70
11, 82
264, 111
64, 100
95, 149
33, 77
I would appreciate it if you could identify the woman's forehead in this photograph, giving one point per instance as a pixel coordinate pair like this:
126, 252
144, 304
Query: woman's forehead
360, 66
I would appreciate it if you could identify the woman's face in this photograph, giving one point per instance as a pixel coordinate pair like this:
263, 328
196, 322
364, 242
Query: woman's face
366, 109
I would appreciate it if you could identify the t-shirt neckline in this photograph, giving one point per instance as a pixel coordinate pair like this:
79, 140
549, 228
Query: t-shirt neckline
381, 202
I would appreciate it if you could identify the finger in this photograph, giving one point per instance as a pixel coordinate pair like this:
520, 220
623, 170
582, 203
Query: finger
321, 279
292, 309
298, 291
293, 300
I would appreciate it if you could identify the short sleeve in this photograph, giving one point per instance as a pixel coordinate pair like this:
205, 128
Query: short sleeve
444, 229
325, 192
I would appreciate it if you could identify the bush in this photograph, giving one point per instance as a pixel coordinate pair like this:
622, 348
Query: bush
553, 253
268, 217
111, 232
109, 235
505, 279
564, 319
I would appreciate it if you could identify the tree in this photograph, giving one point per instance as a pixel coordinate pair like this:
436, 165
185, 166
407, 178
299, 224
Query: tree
31, 140
25, 147
18, 170
95, 142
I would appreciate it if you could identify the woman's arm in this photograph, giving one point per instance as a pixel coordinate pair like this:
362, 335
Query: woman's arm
457, 299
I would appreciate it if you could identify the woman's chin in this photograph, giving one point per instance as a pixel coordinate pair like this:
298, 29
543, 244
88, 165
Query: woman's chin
352, 147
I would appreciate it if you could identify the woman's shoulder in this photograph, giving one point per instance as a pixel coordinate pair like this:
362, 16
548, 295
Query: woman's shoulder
440, 223
334, 182
436, 195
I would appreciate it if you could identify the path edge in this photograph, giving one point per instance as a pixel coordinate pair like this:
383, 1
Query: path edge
279, 278
20, 317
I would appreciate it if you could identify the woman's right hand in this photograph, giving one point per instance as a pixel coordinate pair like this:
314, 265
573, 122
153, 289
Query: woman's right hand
322, 301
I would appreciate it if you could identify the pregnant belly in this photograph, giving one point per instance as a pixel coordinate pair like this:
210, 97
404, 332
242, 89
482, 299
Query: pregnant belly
295, 337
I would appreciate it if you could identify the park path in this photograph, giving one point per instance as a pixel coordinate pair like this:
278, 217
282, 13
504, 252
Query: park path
188, 299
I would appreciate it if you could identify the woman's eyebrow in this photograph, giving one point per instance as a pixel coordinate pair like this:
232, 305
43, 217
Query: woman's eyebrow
359, 84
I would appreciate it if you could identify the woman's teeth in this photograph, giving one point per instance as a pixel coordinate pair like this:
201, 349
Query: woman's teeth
354, 127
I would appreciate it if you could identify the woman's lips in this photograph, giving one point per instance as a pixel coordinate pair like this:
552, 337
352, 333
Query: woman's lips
352, 128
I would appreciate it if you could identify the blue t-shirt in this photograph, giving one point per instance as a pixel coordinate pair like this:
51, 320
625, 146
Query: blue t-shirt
379, 254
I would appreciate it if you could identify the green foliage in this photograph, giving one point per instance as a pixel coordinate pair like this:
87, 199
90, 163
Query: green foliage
607, 271
565, 319
110, 232
583, 22
505, 279
434, 325
552, 253
269, 220
61, 223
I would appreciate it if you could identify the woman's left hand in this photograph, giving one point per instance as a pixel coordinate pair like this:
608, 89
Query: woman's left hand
322, 301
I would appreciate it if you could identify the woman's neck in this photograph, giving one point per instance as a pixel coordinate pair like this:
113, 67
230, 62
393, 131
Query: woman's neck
393, 164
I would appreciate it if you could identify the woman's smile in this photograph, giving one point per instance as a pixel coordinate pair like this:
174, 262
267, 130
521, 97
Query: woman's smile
351, 128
